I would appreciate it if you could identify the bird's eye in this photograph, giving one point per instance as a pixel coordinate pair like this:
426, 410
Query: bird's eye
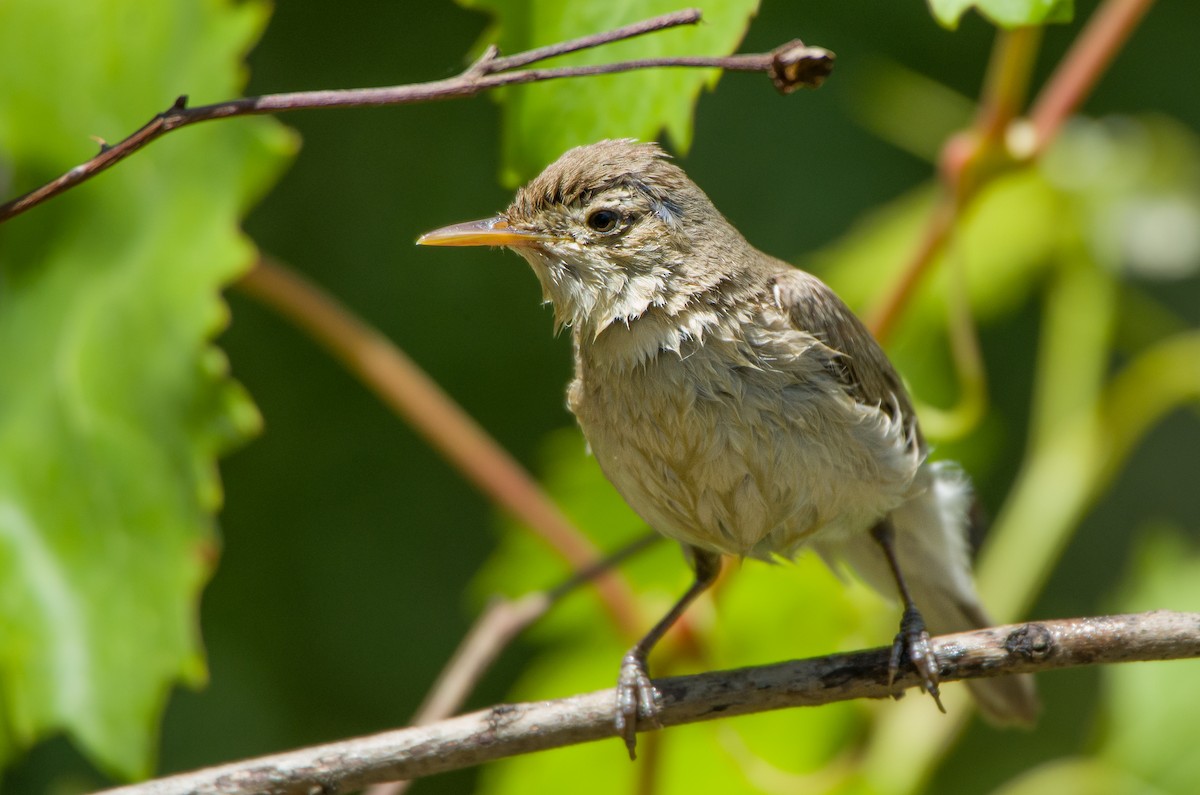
603, 220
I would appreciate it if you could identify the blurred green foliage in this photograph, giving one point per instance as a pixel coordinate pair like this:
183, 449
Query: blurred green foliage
349, 547
113, 404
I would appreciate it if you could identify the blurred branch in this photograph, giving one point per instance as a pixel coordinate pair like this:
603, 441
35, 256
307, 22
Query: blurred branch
883, 318
510, 729
1079, 449
1067, 463
998, 139
1094, 49
500, 622
412, 394
968, 161
790, 66
1007, 84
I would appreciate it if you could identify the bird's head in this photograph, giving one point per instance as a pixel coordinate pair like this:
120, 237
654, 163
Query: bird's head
612, 230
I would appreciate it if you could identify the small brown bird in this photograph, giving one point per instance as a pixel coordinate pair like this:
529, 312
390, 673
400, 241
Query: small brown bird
737, 404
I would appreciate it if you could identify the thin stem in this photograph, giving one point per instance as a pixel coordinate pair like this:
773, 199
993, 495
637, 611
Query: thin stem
883, 319
790, 66
1090, 55
404, 387
686, 16
1004, 91
963, 165
1006, 85
500, 622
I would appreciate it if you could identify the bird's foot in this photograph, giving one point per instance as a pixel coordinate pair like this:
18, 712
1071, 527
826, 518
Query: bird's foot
913, 641
636, 698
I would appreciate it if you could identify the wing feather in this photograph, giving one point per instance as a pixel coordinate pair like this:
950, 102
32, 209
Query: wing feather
856, 359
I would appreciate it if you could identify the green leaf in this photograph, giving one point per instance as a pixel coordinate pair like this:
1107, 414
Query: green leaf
113, 404
1005, 13
542, 120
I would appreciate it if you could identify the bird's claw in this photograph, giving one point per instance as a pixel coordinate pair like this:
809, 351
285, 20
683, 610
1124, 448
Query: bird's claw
913, 641
636, 699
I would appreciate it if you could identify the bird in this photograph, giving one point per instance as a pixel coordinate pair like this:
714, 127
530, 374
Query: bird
738, 405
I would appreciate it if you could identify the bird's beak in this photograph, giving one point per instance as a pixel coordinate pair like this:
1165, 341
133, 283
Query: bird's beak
486, 232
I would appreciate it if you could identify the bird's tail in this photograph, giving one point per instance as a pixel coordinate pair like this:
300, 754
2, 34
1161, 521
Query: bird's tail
933, 553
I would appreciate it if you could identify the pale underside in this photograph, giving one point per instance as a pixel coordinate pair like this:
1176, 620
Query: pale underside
753, 459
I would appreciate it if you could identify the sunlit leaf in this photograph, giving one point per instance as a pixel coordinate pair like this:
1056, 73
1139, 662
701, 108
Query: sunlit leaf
542, 120
113, 404
1005, 13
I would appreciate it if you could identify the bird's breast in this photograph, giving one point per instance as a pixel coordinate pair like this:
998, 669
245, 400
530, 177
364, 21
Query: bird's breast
738, 441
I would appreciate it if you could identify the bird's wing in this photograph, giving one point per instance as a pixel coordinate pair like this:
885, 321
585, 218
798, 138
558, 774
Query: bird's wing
856, 359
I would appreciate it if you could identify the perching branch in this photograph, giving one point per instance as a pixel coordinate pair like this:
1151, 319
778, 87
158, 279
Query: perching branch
790, 66
510, 729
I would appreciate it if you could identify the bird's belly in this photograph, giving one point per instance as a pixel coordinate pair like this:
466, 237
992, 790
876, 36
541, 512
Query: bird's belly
739, 463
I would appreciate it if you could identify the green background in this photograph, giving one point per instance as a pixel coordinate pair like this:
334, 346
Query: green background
349, 546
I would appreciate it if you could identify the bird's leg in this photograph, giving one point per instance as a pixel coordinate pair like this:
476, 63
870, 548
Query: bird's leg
912, 638
636, 696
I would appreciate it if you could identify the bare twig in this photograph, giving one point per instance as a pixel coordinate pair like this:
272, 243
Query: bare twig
791, 66
410, 392
500, 622
883, 319
687, 16
1007, 82
503, 620
511, 729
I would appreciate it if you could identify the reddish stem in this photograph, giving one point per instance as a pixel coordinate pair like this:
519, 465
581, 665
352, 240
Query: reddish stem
967, 159
1090, 55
